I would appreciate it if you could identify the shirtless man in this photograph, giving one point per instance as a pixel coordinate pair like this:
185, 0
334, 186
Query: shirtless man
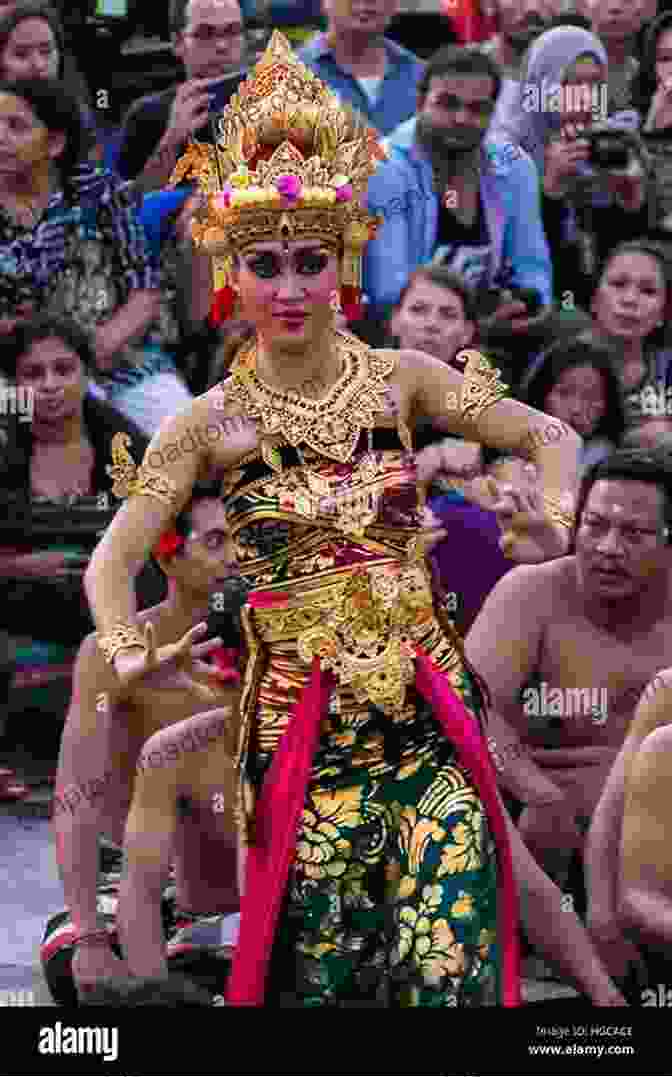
601, 618
104, 734
628, 862
182, 809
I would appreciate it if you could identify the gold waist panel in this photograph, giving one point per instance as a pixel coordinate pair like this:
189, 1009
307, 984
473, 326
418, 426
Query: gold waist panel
362, 621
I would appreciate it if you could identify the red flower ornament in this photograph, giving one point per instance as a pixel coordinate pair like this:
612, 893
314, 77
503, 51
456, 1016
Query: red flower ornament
168, 545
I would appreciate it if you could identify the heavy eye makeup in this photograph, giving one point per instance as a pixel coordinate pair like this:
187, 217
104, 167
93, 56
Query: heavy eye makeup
307, 263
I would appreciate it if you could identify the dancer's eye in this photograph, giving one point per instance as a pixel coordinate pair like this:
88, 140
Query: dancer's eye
310, 263
265, 265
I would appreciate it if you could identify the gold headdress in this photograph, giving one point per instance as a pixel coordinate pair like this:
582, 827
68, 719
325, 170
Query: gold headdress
290, 160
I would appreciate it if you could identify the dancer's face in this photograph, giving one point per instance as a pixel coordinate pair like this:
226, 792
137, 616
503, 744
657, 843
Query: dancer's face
286, 291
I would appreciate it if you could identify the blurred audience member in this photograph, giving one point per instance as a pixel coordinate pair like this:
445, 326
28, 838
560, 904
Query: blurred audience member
649, 434
631, 306
652, 96
519, 23
71, 242
61, 456
467, 512
208, 37
596, 630
457, 198
55, 498
436, 314
354, 58
576, 382
32, 46
587, 202
617, 24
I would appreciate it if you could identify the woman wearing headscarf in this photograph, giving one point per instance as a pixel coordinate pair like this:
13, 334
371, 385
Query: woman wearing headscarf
588, 202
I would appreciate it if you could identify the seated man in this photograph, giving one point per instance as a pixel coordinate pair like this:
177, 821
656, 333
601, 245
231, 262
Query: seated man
457, 196
104, 734
182, 809
567, 647
627, 859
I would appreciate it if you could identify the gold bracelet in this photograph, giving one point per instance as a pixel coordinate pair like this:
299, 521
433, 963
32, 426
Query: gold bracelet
560, 509
121, 638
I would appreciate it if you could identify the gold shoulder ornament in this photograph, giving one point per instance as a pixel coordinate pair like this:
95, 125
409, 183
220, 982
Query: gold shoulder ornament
129, 479
482, 386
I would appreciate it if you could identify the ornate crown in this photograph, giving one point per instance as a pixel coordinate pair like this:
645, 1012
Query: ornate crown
289, 161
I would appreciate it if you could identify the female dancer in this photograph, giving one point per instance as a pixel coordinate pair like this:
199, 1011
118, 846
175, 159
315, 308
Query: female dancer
378, 865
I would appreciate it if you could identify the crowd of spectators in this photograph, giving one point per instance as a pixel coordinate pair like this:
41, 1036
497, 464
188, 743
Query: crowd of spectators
526, 205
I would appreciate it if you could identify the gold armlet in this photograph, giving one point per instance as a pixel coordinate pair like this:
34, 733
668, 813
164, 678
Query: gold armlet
560, 509
482, 386
155, 484
121, 638
128, 479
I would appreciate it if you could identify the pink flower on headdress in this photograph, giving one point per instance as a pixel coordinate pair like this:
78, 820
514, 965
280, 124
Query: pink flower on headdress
344, 193
289, 187
223, 200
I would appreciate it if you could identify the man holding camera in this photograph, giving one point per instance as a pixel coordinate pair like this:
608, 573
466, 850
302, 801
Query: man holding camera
458, 198
208, 38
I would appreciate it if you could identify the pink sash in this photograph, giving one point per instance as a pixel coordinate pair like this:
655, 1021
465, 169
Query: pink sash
278, 812
277, 816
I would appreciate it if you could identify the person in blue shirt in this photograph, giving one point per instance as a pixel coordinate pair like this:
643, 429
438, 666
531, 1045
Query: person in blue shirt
459, 197
365, 68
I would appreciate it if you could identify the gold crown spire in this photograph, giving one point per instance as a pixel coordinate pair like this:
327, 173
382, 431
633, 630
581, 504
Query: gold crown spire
290, 160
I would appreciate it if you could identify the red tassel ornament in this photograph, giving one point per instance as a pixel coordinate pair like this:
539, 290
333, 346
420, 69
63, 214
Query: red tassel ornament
351, 302
222, 306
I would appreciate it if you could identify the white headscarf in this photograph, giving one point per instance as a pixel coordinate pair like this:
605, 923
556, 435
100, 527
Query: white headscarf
544, 69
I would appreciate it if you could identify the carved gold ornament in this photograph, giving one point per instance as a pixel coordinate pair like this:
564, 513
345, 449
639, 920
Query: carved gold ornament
331, 426
129, 479
121, 638
363, 627
482, 385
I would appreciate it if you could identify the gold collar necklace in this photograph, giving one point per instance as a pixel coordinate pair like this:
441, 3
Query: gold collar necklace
330, 426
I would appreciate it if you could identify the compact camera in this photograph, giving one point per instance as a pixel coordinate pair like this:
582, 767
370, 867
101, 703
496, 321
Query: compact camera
609, 150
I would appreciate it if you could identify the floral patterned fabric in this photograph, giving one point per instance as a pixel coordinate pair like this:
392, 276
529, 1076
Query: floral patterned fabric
392, 897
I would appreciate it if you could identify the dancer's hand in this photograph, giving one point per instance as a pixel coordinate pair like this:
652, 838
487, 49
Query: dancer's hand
142, 672
92, 965
528, 535
452, 456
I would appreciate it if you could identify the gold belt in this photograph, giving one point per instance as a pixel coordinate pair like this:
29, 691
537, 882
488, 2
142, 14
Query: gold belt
362, 621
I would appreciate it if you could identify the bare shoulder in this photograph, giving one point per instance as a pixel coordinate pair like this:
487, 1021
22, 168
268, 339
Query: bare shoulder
540, 584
